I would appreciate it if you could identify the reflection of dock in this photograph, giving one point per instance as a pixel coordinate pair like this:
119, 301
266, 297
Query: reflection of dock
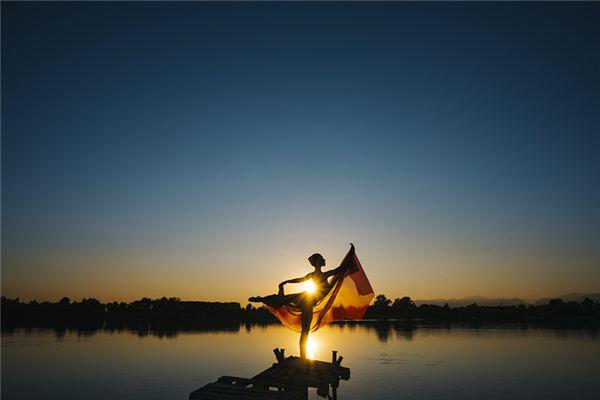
289, 378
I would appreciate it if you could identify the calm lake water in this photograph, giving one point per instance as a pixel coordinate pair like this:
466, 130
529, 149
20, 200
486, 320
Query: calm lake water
387, 361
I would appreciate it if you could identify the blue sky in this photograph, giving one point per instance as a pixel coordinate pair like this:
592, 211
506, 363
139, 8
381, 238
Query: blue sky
162, 149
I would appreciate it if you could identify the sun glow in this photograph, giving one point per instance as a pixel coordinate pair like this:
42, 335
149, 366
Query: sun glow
311, 347
309, 286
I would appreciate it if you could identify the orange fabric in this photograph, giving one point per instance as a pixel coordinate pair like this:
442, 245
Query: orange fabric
348, 298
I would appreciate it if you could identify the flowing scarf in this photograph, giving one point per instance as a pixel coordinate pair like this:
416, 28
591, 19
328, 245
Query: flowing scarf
349, 296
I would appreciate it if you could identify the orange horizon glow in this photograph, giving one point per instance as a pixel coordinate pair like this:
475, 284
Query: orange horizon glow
218, 274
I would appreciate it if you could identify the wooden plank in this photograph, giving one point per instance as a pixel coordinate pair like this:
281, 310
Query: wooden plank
234, 380
296, 373
223, 391
289, 377
334, 369
241, 391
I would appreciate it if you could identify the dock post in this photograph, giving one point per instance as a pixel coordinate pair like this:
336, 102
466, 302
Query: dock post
279, 354
334, 387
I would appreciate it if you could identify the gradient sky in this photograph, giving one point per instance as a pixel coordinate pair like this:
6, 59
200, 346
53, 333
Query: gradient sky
206, 150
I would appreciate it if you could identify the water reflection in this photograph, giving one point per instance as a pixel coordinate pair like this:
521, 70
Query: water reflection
419, 360
383, 330
311, 347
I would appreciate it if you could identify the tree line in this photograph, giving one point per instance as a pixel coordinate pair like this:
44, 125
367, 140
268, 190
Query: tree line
186, 314
90, 310
555, 309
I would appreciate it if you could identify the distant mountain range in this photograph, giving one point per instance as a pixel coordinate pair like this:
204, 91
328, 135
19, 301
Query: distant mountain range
578, 297
486, 301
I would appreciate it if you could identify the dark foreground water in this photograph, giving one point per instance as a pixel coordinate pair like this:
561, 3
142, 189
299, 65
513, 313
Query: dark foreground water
388, 361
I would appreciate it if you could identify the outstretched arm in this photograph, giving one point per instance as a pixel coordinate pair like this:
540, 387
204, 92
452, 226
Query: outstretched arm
341, 268
336, 271
297, 280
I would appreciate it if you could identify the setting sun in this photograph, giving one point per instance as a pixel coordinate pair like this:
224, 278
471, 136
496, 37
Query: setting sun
309, 286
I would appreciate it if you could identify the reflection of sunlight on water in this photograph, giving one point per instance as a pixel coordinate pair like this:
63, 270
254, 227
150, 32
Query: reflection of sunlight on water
432, 357
311, 347
308, 286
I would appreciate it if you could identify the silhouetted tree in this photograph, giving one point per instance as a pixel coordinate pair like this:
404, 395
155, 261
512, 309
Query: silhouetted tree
403, 303
382, 301
64, 302
404, 307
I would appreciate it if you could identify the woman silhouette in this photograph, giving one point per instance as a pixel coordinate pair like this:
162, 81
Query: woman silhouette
305, 301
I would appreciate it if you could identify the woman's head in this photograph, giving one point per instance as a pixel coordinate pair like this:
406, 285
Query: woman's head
316, 260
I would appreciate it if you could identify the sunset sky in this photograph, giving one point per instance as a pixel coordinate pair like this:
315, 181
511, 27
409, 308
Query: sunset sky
204, 151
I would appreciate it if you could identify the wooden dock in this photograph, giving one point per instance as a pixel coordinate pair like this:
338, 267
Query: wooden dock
289, 378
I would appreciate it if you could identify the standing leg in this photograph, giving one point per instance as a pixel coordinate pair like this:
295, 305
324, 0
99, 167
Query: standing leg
307, 315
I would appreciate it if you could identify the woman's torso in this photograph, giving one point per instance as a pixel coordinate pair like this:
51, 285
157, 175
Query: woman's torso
321, 284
